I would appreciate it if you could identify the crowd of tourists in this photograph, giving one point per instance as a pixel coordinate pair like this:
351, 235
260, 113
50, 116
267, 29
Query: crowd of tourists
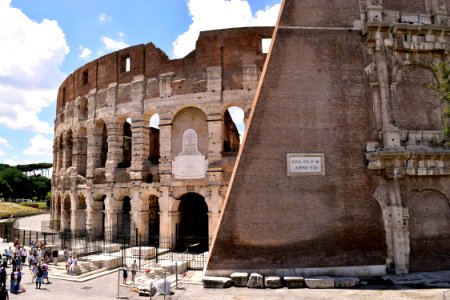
15, 257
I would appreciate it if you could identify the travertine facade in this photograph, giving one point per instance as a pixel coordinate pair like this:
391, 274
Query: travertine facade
113, 171
342, 170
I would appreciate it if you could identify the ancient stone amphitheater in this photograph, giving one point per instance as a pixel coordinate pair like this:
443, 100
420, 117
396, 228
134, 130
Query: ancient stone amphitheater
146, 144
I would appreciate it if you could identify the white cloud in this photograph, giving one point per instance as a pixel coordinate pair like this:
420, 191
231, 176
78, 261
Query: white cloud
113, 45
85, 53
103, 18
30, 56
14, 161
4, 142
39, 146
217, 14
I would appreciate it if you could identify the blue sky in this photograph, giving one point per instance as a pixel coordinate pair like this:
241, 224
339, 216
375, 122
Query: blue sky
43, 41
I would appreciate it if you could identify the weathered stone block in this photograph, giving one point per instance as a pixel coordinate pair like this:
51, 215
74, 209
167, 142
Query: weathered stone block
273, 282
217, 282
346, 282
256, 281
173, 266
323, 282
293, 282
239, 279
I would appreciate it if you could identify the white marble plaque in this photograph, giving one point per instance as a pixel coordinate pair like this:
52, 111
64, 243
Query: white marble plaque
190, 163
302, 164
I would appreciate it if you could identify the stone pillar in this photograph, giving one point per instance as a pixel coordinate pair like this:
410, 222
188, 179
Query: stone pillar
115, 151
79, 223
391, 135
140, 148
214, 203
215, 139
140, 219
93, 150
165, 166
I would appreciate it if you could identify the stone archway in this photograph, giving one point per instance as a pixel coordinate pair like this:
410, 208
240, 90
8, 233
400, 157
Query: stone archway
98, 218
153, 221
80, 220
66, 213
124, 221
192, 230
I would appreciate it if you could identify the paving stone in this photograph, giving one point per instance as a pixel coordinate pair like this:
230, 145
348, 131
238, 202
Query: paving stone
346, 282
322, 282
217, 282
239, 279
273, 282
256, 281
294, 282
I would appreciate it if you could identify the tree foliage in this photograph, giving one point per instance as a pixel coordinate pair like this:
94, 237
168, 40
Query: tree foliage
442, 90
14, 184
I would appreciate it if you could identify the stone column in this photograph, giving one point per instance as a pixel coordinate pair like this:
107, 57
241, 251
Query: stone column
115, 151
165, 136
215, 139
79, 221
214, 203
391, 136
140, 148
93, 150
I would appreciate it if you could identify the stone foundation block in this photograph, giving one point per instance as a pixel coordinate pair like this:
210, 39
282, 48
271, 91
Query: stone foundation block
256, 281
239, 279
169, 266
346, 282
273, 282
294, 282
323, 282
217, 282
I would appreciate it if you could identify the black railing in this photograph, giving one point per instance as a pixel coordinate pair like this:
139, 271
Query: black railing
146, 250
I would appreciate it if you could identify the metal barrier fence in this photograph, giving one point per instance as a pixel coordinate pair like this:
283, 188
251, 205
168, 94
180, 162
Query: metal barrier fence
126, 248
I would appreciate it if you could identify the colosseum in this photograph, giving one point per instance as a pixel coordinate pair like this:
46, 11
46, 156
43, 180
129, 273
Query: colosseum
146, 144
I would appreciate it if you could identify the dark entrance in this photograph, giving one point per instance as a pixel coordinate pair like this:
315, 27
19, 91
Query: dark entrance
124, 221
193, 226
153, 221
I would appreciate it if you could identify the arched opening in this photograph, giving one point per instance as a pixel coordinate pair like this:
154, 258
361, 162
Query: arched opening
412, 94
81, 215
153, 156
60, 152
101, 144
192, 231
233, 130
57, 214
189, 118
83, 110
67, 213
98, 218
429, 223
82, 151
153, 221
124, 221
126, 145
69, 149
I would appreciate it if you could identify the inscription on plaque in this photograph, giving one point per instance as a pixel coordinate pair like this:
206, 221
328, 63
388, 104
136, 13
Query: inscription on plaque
302, 164
190, 163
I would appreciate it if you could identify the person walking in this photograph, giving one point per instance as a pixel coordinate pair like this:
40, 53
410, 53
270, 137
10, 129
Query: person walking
125, 274
3, 293
39, 275
134, 268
